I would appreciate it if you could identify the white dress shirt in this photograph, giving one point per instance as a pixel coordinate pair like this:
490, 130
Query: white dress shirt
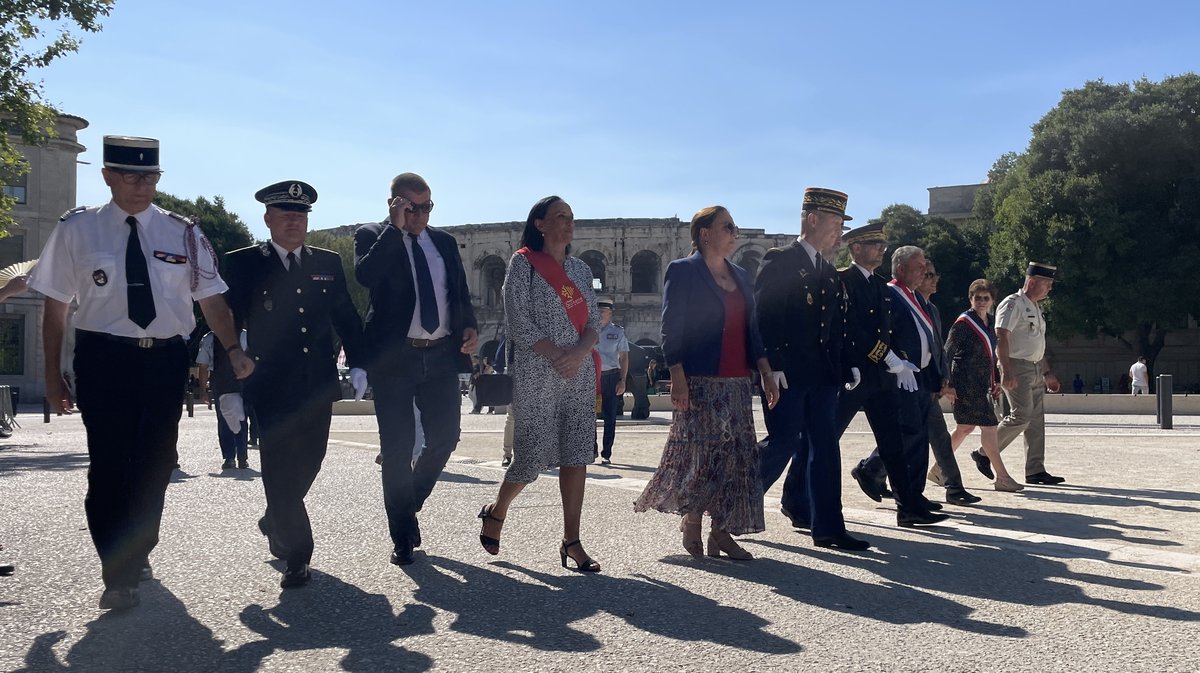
437, 271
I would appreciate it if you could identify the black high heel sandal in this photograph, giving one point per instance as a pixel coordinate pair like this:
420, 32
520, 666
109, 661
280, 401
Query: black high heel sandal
586, 566
490, 544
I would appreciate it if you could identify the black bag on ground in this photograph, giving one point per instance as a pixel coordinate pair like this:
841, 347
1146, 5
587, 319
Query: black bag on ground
493, 390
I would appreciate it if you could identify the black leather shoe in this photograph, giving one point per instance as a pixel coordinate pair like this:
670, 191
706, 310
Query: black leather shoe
227, 465
983, 463
146, 574
243, 464
910, 519
295, 577
119, 598
866, 484
1044, 478
7, 569
844, 541
797, 521
928, 504
402, 555
275, 548
961, 497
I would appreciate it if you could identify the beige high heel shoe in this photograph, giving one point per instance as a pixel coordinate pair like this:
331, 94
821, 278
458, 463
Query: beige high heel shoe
721, 541
691, 537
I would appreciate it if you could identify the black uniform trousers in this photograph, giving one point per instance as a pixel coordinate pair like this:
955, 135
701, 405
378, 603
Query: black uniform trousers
131, 399
890, 457
609, 378
428, 377
801, 428
292, 444
913, 416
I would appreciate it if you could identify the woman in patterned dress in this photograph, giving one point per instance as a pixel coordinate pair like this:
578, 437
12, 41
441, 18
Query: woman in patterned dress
551, 325
971, 351
710, 462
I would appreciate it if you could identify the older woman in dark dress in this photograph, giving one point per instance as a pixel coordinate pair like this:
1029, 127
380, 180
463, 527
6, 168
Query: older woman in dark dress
971, 351
710, 462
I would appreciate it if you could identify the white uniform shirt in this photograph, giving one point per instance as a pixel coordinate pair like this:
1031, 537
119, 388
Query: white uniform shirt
85, 259
437, 271
1026, 326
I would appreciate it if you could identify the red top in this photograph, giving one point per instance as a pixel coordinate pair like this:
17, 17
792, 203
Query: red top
733, 341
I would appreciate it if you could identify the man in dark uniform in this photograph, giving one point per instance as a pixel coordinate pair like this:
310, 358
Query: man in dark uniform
291, 298
419, 326
868, 350
801, 317
135, 270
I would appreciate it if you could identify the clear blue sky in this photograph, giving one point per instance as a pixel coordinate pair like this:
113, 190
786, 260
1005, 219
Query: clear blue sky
625, 109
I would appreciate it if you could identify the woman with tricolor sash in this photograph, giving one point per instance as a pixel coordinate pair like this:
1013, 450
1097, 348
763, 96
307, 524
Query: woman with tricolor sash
971, 351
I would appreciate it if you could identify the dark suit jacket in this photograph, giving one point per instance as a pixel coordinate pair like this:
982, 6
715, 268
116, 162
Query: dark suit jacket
906, 341
290, 323
382, 265
693, 317
868, 326
801, 317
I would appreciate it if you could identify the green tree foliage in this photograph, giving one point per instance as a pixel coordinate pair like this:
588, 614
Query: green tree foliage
225, 230
958, 251
344, 246
1109, 191
26, 45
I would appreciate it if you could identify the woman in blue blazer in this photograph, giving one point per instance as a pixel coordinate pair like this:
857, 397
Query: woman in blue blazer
710, 462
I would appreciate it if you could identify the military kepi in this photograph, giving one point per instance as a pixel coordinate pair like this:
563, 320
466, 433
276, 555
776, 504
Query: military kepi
1039, 269
826, 201
288, 195
130, 153
604, 303
868, 233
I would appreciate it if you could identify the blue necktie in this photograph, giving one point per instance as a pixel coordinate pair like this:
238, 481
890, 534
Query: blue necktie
429, 310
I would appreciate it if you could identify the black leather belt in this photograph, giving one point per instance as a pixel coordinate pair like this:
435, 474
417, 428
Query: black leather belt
425, 343
142, 342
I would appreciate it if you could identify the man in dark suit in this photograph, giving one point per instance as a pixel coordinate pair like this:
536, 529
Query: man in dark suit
916, 343
869, 333
420, 327
800, 317
291, 298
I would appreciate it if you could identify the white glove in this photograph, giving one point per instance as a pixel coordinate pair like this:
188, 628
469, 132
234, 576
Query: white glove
358, 379
895, 365
780, 380
906, 380
233, 410
857, 378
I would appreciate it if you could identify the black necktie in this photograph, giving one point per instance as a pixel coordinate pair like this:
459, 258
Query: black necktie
137, 279
293, 265
429, 310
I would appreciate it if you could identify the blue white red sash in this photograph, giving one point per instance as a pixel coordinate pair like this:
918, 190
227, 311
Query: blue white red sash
989, 340
910, 300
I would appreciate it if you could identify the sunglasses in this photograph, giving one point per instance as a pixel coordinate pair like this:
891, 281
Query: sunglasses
426, 207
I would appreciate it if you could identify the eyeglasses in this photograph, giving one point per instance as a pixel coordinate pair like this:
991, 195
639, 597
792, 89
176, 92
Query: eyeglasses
881, 244
136, 177
426, 207
731, 228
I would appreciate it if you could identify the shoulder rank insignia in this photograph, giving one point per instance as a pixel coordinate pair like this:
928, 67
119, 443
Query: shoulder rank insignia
179, 217
73, 211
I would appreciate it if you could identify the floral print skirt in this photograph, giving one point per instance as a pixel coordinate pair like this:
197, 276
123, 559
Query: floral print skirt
710, 462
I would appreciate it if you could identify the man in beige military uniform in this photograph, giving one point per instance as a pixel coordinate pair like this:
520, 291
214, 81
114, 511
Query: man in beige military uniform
1025, 373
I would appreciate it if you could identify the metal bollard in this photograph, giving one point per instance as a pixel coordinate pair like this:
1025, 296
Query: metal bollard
1164, 402
45, 409
190, 404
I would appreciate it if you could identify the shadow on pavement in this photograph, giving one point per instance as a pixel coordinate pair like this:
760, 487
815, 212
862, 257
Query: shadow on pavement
1065, 524
1116, 497
13, 460
539, 614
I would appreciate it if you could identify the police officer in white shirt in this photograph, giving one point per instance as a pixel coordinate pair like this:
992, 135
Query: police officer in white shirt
134, 269
1025, 373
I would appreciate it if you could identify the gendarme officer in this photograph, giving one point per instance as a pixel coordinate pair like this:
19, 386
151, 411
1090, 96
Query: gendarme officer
135, 270
291, 299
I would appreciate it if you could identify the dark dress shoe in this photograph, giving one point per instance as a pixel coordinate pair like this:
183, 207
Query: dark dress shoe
1044, 478
506, 462
146, 574
867, 485
928, 504
797, 521
910, 519
983, 463
119, 598
844, 541
243, 464
7, 569
227, 465
961, 497
275, 548
295, 577
402, 555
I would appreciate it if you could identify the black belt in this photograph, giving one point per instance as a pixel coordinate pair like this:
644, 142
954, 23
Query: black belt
425, 343
142, 342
